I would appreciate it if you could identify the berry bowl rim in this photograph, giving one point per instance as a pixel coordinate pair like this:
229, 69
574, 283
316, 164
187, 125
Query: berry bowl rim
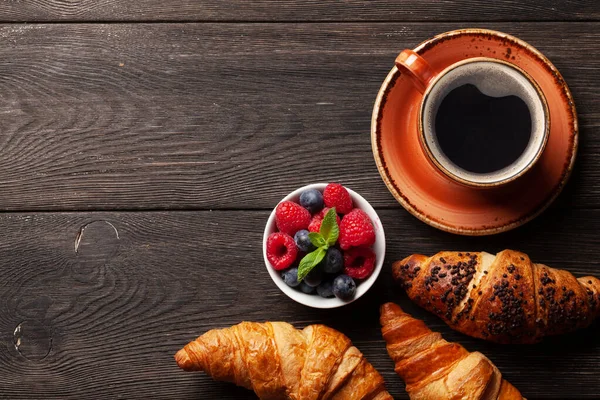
314, 300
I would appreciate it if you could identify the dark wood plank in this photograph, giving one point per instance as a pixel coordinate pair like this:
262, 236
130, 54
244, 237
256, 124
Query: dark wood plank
96, 304
207, 116
296, 10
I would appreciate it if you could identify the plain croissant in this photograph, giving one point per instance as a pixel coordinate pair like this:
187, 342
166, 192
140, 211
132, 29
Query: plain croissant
278, 361
433, 368
503, 298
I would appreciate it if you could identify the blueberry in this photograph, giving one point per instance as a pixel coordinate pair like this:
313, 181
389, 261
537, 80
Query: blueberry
344, 287
314, 277
312, 200
305, 288
290, 277
325, 289
303, 242
334, 261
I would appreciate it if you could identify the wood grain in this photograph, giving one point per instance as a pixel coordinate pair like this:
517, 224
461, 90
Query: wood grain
95, 304
297, 10
220, 116
227, 116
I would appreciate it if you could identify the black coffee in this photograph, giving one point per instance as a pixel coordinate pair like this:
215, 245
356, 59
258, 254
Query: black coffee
479, 133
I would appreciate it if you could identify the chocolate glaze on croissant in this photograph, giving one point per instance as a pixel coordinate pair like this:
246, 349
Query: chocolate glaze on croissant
278, 361
503, 298
433, 368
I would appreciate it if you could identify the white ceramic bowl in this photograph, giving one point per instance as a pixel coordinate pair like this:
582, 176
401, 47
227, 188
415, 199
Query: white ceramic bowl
314, 300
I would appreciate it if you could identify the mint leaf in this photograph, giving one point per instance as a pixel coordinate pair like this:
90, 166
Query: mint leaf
317, 239
329, 227
310, 261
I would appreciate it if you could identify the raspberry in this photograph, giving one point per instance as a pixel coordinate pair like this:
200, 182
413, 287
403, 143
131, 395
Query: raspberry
335, 195
281, 250
291, 217
315, 223
359, 262
356, 229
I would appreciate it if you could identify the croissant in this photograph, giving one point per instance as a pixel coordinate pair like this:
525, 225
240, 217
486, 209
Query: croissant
503, 298
432, 368
278, 361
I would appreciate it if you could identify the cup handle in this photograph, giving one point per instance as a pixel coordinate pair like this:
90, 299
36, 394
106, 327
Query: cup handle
416, 68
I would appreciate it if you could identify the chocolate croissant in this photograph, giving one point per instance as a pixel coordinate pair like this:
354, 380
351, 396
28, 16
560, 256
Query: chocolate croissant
277, 361
432, 368
503, 298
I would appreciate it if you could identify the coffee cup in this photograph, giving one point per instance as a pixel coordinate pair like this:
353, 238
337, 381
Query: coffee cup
483, 122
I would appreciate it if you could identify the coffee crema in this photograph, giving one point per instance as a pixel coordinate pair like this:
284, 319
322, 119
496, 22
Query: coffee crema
483, 122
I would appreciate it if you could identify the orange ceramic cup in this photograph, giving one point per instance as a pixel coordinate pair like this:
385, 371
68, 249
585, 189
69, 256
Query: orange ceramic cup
429, 193
497, 78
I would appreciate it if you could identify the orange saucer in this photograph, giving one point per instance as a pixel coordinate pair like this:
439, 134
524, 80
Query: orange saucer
430, 195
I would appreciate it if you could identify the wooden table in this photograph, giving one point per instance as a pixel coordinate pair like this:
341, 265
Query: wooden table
144, 143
